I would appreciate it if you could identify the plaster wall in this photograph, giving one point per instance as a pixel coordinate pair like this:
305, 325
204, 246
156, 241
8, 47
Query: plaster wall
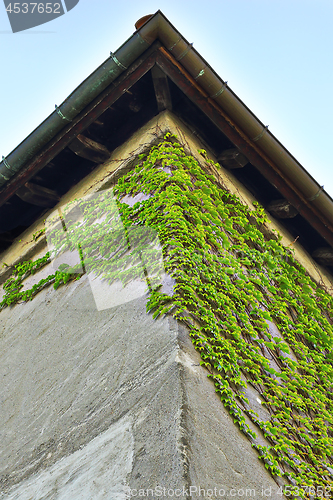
122, 160
95, 402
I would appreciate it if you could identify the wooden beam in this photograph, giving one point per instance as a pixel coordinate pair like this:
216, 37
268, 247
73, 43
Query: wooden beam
324, 256
258, 158
37, 195
89, 149
162, 91
135, 105
282, 209
98, 123
91, 113
232, 158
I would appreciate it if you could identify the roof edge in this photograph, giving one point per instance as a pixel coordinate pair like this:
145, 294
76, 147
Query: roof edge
158, 27
82, 96
287, 166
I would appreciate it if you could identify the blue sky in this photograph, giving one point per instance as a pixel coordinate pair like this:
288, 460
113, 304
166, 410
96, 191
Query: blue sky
275, 54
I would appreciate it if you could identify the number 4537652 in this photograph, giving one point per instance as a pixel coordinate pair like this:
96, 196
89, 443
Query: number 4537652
30, 8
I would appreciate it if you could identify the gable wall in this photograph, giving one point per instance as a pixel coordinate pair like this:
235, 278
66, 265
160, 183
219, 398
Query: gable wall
87, 388
122, 160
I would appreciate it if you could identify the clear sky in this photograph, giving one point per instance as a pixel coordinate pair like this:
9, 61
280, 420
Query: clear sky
275, 54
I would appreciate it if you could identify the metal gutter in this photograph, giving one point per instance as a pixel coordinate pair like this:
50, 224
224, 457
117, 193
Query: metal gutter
158, 27
287, 166
83, 95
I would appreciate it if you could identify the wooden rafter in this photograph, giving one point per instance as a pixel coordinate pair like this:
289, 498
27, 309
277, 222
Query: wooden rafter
257, 157
162, 91
89, 115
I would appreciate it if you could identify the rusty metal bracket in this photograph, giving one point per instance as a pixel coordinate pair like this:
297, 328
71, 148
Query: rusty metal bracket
61, 115
315, 196
118, 63
201, 73
219, 92
259, 136
188, 48
5, 162
174, 45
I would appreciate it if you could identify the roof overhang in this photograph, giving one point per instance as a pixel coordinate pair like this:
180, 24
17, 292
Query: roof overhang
157, 42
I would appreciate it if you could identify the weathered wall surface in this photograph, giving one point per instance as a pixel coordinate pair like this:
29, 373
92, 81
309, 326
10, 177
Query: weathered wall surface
123, 159
93, 401
100, 388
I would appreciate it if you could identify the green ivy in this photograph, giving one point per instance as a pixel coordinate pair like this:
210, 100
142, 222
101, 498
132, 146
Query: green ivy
231, 280
14, 284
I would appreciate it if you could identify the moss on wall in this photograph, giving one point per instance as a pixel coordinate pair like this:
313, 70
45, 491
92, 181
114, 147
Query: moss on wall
232, 281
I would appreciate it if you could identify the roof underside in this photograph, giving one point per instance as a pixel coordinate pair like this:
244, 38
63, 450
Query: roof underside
154, 81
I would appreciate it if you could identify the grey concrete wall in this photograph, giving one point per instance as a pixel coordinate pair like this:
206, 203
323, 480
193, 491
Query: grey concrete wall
96, 402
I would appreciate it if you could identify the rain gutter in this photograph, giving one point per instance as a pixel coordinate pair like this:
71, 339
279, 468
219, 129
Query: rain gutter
158, 27
284, 163
83, 95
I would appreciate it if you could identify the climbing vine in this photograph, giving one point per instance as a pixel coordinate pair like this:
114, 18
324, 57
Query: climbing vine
233, 283
14, 284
